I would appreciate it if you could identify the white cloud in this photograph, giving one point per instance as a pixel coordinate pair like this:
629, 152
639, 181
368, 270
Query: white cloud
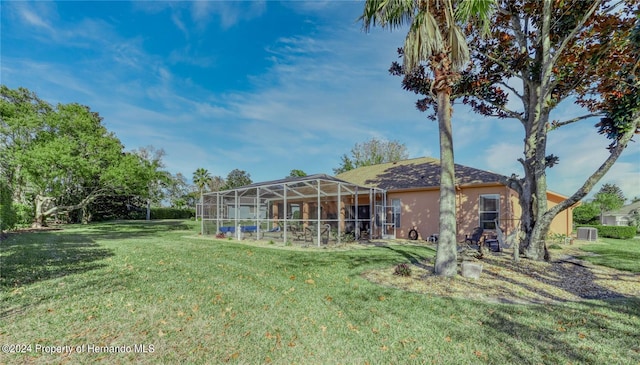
582, 151
502, 158
322, 93
35, 14
228, 13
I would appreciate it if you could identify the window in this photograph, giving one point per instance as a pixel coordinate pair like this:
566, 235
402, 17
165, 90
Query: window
489, 210
397, 211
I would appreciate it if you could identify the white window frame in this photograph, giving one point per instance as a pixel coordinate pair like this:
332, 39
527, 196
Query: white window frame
488, 223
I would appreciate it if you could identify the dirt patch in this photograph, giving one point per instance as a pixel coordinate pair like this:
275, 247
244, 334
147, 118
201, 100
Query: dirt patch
564, 278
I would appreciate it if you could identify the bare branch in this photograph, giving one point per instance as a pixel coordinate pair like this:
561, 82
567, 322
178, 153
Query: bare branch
576, 119
598, 174
83, 203
512, 89
506, 67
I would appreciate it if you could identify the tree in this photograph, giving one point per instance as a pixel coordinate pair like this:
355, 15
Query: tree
177, 191
634, 219
587, 213
61, 158
608, 198
157, 179
585, 51
22, 115
436, 38
216, 183
237, 178
7, 212
201, 178
614, 190
372, 152
297, 173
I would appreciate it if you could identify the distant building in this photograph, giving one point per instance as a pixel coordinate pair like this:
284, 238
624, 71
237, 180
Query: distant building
622, 216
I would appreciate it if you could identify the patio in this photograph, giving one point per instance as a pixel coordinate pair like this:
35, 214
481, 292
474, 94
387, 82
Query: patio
311, 210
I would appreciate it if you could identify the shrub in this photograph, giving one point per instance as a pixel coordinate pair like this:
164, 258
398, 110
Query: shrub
556, 237
620, 232
172, 213
587, 213
616, 232
402, 270
25, 214
8, 216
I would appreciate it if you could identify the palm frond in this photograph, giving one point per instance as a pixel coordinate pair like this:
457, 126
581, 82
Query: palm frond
478, 10
387, 13
424, 39
459, 48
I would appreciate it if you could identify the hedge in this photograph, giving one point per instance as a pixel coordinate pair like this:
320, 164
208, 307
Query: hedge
8, 217
172, 213
620, 232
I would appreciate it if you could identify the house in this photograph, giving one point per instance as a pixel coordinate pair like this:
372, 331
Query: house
622, 216
412, 189
380, 201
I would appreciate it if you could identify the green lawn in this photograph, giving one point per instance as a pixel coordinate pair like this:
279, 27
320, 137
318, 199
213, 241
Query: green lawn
198, 301
619, 254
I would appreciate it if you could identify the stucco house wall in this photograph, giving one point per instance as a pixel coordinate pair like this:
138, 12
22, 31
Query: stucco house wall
415, 183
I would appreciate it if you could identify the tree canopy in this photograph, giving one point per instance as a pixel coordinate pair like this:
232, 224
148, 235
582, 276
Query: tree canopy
372, 152
201, 178
609, 197
61, 158
236, 179
297, 173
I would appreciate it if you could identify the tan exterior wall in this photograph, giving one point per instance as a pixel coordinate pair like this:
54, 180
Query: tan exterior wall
420, 211
563, 222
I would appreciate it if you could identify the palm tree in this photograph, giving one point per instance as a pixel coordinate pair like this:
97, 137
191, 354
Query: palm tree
435, 37
201, 177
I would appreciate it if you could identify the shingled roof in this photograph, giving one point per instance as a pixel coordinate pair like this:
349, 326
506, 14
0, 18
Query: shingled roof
414, 173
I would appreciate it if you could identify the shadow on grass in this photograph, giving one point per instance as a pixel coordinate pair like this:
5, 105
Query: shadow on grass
32, 257
363, 259
128, 229
133, 229
568, 334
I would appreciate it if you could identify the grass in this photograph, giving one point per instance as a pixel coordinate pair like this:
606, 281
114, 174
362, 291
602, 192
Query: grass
203, 301
619, 254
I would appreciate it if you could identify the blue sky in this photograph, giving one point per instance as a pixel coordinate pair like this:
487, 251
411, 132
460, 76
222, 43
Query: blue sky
264, 87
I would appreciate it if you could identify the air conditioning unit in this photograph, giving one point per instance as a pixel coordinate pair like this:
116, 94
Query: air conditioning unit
587, 234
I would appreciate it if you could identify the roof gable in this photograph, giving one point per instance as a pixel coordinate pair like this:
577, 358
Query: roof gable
414, 173
626, 209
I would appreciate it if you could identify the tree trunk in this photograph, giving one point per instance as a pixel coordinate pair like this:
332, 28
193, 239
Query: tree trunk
446, 256
148, 209
43, 210
40, 218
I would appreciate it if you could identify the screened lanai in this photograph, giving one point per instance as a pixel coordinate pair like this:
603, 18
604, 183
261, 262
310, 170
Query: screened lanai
317, 209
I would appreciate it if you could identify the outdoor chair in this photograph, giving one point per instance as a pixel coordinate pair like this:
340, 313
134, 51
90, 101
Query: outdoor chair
475, 237
298, 233
311, 232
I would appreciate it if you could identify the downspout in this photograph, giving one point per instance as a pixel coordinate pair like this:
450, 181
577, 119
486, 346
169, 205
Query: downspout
238, 228
319, 212
201, 213
257, 213
285, 224
339, 208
